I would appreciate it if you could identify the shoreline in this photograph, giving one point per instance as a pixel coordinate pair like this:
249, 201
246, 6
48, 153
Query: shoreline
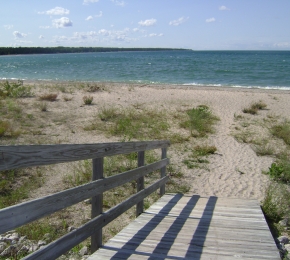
157, 85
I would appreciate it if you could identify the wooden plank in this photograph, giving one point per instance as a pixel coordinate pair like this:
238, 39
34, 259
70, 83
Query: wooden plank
63, 244
97, 202
173, 233
12, 157
140, 183
163, 170
18, 215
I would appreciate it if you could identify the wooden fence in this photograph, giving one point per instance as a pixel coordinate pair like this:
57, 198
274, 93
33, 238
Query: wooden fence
12, 157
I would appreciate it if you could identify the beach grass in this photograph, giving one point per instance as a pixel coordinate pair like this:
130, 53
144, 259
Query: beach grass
48, 97
88, 100
282, 131
200, 121
255, 107
14, 89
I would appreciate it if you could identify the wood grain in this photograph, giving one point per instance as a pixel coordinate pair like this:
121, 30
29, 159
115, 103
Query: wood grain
15, 216
62, 245
19, 156
194, 227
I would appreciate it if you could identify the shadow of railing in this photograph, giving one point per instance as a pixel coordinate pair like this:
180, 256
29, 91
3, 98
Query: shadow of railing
162, 249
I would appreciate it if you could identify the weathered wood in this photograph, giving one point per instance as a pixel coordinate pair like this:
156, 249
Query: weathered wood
18, 215
97, 202
60, 246
140, 183
187, 227
163, 170
12, 157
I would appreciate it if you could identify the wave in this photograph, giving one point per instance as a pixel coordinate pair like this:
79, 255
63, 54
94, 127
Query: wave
237, 86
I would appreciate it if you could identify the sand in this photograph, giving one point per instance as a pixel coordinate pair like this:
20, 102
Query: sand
235, 170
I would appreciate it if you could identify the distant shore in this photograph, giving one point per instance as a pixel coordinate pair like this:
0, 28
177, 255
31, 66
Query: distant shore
55, 50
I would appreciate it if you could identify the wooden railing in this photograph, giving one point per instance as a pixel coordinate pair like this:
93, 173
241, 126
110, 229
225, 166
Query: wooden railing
12, 157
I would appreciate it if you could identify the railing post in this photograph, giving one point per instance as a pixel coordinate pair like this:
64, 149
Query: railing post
97, 202
163, 170
140, 183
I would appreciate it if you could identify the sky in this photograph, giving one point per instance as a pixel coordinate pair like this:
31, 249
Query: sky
190, 24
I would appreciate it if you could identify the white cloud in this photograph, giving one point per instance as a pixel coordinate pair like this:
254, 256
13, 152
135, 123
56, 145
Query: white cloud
148, 22
56, 11
104, 32
85, 35
86, 2
155, 35
120, 3
282, 45
44, 27
210, 20
89, 18
8, 26
99, 15
62, 22
135, 29
19, 34
41, 37
223, 8
178, 21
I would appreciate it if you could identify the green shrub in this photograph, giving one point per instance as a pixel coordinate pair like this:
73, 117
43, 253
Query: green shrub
200, 121
280, 170
276, 204
282, 131
88, 100
14, 90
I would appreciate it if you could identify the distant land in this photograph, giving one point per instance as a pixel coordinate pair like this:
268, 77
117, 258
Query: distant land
61, 49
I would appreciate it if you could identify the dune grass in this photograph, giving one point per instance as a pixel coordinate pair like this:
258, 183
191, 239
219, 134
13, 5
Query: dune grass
138, 124
255, 107
200, 121
196, 158
282, 131
48, 97
14, 89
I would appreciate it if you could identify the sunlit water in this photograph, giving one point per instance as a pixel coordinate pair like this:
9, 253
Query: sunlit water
253, 69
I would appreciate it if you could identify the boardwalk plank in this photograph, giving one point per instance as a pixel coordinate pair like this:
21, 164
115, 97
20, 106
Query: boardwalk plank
194, 227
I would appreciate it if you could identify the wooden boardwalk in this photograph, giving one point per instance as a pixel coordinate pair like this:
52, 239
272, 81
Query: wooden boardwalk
193, 227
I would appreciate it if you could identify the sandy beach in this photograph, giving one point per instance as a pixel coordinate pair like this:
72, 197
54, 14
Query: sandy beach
234, 170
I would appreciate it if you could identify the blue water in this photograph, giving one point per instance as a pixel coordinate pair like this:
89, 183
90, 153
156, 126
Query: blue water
252, 69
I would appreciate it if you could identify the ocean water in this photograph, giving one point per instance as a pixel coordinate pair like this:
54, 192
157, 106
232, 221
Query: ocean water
250, 69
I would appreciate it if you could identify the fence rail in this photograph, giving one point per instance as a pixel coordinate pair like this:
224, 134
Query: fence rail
12, 157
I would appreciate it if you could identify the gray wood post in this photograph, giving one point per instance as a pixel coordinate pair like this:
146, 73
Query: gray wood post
97, 202
140, 183
163, 170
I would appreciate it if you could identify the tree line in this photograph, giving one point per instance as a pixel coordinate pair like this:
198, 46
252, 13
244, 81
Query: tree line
61, 49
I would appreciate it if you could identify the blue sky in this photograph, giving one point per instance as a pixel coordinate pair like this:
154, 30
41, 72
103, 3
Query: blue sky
193, 24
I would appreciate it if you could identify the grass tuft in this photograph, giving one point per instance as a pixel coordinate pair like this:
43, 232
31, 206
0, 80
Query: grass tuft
280, 170
276, 204
255, 107
200, 121
88, 100
48, 97
131, 123
14, 89
6, 130
282, 131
